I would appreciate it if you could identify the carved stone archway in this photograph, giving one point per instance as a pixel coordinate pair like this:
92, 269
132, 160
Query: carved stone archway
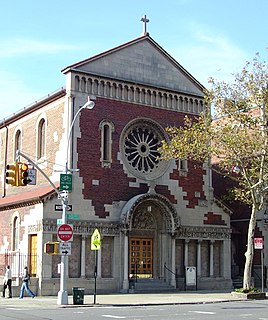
172, 219
150, 221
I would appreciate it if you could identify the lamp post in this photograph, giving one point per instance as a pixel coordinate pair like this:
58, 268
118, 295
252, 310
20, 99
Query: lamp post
63, 293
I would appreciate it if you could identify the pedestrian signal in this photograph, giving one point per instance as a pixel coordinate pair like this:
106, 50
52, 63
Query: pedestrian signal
51, 248
23, 179
12, 172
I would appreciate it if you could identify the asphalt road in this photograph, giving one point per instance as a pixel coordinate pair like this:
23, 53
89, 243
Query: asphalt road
225, 310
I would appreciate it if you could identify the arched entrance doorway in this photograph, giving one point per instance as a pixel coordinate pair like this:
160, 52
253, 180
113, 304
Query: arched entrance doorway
150, 222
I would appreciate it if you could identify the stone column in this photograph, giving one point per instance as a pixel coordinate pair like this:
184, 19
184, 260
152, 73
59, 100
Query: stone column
226, 259
125, 281
83, 257
173, 266
186, 252
199, 259
211, 260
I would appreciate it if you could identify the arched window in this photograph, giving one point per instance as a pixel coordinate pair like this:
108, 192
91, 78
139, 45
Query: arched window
17, 142
15, 234
41, 139
106, 128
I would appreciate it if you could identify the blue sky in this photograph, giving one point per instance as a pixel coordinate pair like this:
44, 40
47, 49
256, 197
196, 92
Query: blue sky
40, 38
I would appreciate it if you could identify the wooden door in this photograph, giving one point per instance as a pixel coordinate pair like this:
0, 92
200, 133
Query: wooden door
33, 255
141, 258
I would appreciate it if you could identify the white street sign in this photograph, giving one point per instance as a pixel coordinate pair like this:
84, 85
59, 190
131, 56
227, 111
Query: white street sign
258, 243
32, 176
65, 248
64, 194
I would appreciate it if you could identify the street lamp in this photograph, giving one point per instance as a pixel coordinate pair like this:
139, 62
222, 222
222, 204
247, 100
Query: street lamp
63, 293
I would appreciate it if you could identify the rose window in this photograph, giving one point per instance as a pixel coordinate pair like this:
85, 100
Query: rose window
139, 148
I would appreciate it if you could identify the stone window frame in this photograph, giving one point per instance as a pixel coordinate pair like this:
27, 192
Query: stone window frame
144, 149
183, 167
107, 128
17, 142
41, 130
15, 237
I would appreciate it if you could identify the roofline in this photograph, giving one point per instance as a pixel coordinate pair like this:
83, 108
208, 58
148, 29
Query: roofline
28, 200
34, 106
146, 36
104, 53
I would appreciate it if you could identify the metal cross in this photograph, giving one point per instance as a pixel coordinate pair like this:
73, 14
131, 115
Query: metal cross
145, 21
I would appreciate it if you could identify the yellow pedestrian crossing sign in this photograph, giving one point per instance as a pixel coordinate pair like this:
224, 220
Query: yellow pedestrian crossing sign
96, 240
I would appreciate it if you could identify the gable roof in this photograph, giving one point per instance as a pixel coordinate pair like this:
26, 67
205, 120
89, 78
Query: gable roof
27, 198
141, 61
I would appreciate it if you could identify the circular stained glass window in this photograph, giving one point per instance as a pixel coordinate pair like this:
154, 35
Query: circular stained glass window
140, 141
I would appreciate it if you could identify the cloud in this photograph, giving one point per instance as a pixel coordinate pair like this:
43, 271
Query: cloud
208, 54
19, 46
9, 84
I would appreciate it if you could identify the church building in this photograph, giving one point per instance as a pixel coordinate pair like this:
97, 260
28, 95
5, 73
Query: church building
159, 222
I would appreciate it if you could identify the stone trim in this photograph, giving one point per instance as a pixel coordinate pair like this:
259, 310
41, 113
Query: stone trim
137, 93
80, 227
189, 232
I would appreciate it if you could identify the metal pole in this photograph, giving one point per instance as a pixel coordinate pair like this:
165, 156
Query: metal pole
95, 275
63, 293
262, 282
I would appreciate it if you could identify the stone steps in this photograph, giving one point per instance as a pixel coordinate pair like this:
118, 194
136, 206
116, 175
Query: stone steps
150, 285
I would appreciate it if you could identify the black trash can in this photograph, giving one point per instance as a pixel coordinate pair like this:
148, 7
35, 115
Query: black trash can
78, 295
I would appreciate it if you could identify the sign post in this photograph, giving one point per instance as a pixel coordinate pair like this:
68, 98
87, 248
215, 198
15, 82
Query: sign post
95, 245
258, 244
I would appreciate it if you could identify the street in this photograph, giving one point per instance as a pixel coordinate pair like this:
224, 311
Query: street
231, 310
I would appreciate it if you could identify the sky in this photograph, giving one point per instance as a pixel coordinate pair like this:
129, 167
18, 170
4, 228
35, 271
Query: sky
38, 39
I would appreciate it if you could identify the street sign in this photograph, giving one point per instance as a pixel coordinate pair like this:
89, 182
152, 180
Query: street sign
63, 194
96, 240
65, 232
258, 243
59, 207
66, 182
65, 248
32, 176
69, 216
73, 216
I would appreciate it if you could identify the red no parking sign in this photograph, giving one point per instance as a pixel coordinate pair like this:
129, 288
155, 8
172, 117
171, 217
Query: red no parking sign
65, 232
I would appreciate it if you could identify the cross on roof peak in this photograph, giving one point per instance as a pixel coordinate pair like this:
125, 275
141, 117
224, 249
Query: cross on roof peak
145, 21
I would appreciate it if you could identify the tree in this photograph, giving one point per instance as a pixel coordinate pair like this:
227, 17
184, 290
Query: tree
234, 142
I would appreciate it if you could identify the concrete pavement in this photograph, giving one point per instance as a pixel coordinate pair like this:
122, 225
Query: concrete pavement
189, 297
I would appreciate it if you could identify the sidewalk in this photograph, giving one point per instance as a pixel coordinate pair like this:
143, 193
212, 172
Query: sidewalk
191, 297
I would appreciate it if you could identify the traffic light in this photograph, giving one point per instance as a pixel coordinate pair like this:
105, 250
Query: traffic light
12, 174
23, 179
51, 248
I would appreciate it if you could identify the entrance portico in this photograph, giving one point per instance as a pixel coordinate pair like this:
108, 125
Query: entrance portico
150, 222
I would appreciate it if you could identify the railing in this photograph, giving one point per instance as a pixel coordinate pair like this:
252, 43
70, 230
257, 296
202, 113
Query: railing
18, 260
168, 270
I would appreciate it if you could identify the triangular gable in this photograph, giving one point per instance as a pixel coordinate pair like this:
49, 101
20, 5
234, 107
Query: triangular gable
141, 61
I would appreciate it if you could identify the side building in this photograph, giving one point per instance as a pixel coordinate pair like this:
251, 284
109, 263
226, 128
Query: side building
157, 219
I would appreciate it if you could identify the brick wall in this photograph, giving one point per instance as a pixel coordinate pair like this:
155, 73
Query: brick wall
113, 182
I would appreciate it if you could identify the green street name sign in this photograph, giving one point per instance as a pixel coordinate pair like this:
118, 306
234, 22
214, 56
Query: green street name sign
71, 216
66, 182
